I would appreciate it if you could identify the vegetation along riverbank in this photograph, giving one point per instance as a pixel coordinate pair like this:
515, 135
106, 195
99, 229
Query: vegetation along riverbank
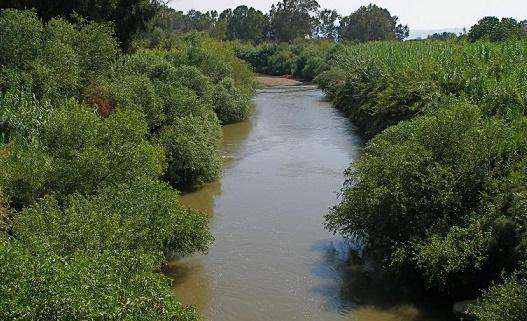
109, 108
94, 143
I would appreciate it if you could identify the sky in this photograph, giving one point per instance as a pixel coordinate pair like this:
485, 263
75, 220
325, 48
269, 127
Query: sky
417, 14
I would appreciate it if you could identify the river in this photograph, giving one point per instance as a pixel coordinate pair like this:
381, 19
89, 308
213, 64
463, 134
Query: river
272, 259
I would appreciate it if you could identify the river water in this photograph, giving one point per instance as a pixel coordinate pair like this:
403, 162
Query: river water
272, 260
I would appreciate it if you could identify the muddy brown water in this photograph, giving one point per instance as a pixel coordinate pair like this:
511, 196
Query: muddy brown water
272, 259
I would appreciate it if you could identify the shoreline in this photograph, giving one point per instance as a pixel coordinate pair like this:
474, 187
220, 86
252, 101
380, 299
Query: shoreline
276, 81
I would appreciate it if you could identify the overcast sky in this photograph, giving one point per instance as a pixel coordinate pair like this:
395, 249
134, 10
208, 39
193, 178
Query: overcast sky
418, 14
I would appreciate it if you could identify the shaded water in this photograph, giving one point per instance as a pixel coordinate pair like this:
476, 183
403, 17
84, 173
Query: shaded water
272, 259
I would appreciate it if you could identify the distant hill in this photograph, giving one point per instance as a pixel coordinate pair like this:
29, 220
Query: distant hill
424, 33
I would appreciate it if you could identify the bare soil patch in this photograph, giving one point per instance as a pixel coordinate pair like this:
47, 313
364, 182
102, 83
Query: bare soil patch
274, 81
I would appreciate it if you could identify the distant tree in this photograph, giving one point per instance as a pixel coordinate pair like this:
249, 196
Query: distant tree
327, 24
127, 15
371, 23
443, 36
202, 21
170, 19
293, 19
245, 23
494, 29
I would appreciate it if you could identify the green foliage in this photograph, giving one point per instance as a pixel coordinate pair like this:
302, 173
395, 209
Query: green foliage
304, 59
427, 196
191, 145
504, 302
439, 194
109, 221
443, 36
21, 35
494, 29
246, 24
74, 150
127, 16
38, 284
54, 60
181, 86
389, 82
87, 133
230, 104
293, 19
327, 24
371, 23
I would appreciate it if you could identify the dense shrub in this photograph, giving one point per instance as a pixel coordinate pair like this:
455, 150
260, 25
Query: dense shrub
86, 135
176, 95
381, 84
74, 150
422, 187
191, 145
53, 60
230, 104
439, 194
21, 34
504, 302
304, 60
109, 221
38, 284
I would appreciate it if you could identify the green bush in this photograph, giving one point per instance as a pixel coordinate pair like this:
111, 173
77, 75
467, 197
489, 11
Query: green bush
21, 33
86, 134
422, 187
230, 104
53, 60
173, 95
191, 145
389, 82
143, 215
74, 150
38, 284
504, 302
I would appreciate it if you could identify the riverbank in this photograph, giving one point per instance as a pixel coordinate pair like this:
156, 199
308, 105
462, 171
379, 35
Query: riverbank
276, 81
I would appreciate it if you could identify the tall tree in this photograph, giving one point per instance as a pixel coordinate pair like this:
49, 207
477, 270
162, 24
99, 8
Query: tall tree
127, 15
293, 19
245, 23
494, 29
371, 23
327, 24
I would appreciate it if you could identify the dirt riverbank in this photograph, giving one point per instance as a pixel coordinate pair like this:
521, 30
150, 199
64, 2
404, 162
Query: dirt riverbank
275, 81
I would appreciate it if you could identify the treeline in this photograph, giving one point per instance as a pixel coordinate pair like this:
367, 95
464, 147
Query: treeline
293, 20
490, 29
286, 21
439, 196
93, 144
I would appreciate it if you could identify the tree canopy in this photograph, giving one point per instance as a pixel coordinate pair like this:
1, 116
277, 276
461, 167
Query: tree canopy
127, 15
327, 27
371, 23
292, 19
245, 23
494, 29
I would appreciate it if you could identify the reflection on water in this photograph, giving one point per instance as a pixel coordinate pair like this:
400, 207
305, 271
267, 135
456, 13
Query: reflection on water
355, 288
272, 259
203, 199
188, 273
